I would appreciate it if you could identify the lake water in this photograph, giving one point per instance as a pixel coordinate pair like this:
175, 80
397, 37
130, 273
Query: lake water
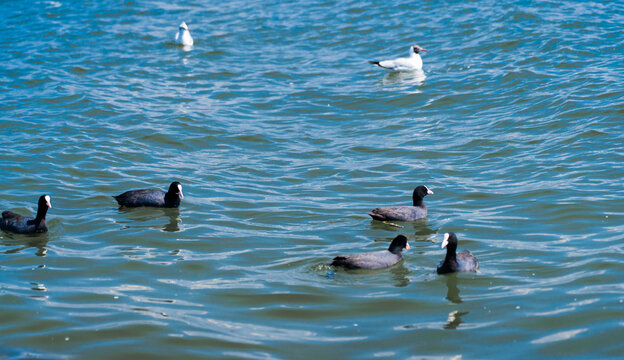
284, 137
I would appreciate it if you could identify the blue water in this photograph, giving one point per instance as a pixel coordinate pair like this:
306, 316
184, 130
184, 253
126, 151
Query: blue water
284, 137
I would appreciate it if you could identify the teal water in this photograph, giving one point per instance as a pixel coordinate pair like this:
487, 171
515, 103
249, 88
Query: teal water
284, 137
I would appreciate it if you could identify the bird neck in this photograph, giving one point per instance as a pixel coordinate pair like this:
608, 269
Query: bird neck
172, 198
418, 201
451, 255
416, 60
41, 214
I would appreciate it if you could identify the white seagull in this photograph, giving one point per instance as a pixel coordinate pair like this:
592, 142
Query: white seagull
414, 62
184, 35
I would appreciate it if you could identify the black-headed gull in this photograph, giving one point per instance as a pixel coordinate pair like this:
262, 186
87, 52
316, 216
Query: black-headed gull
414, 62
184, 35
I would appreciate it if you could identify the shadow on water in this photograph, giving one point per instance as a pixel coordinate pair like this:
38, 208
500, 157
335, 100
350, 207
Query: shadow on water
20, 242
148, 214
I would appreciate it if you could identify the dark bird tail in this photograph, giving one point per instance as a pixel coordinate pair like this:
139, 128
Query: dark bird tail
9, 215
376, 216
375, 63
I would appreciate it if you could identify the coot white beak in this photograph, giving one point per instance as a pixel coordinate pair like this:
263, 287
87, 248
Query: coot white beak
180, 191
48, 203
429, 192
407, 247
445, 241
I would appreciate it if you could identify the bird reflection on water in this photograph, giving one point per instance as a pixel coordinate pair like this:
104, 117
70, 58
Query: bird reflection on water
452, 295
142, 215
454, 320
404, 78
399, 274
174, 220
452, 292
23, 242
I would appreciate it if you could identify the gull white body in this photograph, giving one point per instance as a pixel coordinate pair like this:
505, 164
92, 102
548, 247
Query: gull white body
412, 63
183, 36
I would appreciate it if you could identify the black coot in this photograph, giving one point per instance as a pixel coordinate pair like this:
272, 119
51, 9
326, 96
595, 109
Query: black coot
149, 197
454, 262
404, 213
374, 260
26, 225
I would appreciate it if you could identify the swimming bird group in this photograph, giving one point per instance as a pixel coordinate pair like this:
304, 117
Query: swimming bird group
19, 224
412, 63
453, 262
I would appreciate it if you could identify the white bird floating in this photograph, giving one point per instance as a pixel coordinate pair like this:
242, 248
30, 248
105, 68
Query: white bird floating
412, 63
183, 36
